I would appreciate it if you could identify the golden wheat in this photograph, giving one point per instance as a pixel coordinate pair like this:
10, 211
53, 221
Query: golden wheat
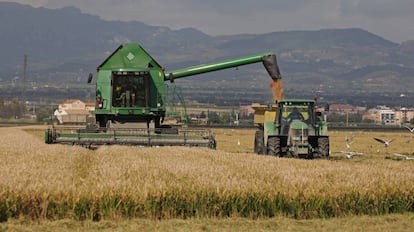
58, 181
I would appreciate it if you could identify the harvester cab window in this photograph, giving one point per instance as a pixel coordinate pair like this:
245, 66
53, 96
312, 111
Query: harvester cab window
130, 89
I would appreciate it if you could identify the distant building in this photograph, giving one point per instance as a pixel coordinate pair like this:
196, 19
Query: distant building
73, 111
344, 109
389, 116
245, 111
90, 106
381, 115
404, 115
371, 114
72, 104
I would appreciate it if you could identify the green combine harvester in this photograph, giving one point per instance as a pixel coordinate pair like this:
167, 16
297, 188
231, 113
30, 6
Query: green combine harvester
130, 88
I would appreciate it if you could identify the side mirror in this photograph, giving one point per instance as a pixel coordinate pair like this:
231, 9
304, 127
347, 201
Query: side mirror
90, 77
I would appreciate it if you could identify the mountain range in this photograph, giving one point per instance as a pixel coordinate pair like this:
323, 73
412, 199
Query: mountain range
348, 65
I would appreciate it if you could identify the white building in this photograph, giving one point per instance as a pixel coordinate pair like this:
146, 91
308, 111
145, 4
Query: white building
73, 111
388, 116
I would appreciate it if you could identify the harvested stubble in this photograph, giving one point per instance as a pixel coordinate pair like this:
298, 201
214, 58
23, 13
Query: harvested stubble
56, 181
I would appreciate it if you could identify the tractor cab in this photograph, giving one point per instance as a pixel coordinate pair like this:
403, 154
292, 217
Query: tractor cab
295, 114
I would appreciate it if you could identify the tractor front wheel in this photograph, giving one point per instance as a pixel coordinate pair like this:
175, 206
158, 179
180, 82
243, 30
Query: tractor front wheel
273, 146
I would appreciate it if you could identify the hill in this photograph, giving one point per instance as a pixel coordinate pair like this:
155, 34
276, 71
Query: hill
64, 45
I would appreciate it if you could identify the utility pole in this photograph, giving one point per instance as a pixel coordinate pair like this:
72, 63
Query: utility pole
24, 78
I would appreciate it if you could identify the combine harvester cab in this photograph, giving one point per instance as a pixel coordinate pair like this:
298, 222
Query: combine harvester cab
130, 88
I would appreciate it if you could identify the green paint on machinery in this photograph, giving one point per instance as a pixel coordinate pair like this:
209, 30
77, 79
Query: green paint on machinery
176, 106
297, 129
130, 87
130, 84
130, 136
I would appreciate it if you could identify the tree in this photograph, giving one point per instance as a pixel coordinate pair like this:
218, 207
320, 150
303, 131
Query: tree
1, 107
226, 117
43, 113
213, 118
14, 109
18, 109
352, 118
367, 121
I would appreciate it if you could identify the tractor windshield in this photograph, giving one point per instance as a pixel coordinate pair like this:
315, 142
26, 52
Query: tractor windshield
297, 111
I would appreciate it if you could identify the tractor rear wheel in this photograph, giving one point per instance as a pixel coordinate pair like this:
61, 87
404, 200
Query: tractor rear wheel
323, 147
259, 142
273, 146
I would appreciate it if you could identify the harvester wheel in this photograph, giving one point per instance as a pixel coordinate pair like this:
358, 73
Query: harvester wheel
273, 146
259, 142
102, 121
49, 136
212, 144
323, 147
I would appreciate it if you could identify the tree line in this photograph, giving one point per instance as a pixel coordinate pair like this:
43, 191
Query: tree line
16, 109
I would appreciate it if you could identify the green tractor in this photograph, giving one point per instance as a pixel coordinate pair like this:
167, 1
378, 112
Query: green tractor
297, 130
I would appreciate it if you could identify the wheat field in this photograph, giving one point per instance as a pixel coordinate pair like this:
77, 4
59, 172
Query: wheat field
51, 182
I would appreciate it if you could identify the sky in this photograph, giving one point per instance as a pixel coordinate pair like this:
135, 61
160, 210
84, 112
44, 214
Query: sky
390, 19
